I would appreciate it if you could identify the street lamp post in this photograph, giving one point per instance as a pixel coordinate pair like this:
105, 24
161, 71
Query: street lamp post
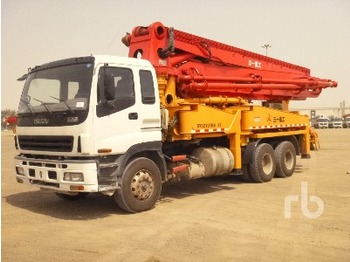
266, 46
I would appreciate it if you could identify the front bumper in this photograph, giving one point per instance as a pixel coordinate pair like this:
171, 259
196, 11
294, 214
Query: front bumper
49, 174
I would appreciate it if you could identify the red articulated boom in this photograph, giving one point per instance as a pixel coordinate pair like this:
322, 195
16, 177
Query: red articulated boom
205, 68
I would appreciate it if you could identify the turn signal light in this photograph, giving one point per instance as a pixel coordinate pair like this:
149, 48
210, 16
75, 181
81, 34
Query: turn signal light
104, 150
76, 188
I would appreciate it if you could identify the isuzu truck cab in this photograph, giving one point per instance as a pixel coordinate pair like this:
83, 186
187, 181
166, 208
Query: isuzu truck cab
79, 109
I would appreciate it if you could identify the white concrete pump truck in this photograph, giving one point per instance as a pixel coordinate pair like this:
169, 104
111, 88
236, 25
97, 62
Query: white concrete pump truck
123, 126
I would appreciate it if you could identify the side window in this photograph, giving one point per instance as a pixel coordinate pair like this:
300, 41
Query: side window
115, 90
147, 87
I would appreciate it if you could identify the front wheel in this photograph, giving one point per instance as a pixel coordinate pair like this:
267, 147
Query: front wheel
140, 186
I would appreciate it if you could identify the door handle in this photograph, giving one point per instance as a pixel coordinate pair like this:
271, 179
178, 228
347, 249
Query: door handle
133, 116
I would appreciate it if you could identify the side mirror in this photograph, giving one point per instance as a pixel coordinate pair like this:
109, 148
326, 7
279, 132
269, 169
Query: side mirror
106, 88
109, 85
22, 78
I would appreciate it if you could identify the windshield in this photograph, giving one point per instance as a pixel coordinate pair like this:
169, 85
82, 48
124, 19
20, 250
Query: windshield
57, 89
322, 120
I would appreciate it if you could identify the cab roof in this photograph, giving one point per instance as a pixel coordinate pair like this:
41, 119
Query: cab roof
97, 59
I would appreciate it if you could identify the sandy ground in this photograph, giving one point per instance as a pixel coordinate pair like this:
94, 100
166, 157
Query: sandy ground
217, 219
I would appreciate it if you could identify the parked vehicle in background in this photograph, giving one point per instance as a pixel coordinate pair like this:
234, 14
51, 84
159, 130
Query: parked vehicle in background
321, 123
346, 122
336, 122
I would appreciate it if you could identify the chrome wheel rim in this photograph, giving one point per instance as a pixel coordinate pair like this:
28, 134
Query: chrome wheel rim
142, 185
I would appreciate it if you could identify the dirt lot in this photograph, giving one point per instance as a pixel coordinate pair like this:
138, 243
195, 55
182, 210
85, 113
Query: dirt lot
218, 219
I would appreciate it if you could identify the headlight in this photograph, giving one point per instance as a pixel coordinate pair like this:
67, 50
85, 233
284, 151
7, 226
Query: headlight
20, 170
74, 177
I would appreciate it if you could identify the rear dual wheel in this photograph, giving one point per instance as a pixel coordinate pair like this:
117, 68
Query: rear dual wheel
285, 159
268, 163
246, 177
263, 167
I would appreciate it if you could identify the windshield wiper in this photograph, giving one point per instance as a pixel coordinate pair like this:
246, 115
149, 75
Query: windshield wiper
28, 106
64, 101
44, 104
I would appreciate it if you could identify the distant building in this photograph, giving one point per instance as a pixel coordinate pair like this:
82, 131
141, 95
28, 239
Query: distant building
325, 112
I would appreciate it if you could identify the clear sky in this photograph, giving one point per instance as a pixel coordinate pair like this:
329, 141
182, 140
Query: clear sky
311, 33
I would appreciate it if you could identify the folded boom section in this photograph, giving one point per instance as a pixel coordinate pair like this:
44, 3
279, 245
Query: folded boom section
205, 68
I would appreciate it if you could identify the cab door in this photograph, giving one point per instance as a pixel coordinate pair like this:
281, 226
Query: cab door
117, 125
124, 116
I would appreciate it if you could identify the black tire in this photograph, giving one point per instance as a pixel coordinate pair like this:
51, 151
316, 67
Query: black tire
263, 166
246, 177
80, 195
140, 186
285, 159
